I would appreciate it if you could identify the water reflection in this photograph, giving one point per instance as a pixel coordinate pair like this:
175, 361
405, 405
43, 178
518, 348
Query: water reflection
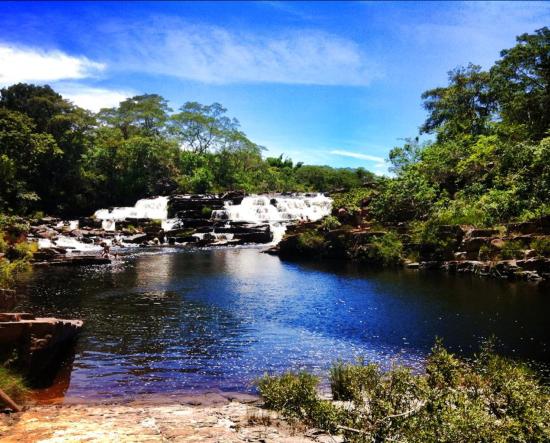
170, 321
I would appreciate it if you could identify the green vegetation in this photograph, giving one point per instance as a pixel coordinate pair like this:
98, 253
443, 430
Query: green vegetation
15, 251
383, 250
512, 249
57, 158
329, 223
13, 384
489, 160
490, 399
541, 246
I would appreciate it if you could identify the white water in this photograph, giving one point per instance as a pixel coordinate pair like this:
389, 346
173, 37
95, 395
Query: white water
276, 210
151, 208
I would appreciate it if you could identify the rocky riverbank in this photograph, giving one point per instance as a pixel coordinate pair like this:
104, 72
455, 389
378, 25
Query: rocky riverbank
515, 251
204, 418
230, 219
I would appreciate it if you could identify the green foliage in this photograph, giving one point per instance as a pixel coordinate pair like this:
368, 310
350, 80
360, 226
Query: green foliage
60, 159
206, 212
541, 245
310, 242
489, 399
292, 394
12, 384
408, 197
352, 201
384, 250
349, 381
512, 249
329, 223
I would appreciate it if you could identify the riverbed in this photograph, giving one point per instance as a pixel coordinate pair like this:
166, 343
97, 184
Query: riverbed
170, 321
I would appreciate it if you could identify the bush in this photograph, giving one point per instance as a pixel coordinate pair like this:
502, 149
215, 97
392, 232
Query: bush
385, 250
541, 246
348, 381
206, 212
512, 249
487, 399
294, 395
310, 242
329, 223
352, 200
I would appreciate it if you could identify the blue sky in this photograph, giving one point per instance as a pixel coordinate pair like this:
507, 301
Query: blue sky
324, 83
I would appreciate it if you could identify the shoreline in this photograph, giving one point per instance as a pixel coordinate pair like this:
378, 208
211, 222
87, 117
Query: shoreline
234, 420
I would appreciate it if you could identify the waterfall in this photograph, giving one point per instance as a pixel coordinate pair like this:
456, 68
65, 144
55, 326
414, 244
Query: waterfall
276, 210
151, 208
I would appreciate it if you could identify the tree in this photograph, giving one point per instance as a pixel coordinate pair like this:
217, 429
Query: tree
143, 114
521, 84
203, 128
464, 107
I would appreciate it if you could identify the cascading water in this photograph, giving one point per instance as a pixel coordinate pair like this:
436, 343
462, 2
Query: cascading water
151, 208
276, 210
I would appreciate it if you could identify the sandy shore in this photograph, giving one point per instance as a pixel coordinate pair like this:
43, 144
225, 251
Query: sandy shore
206, 418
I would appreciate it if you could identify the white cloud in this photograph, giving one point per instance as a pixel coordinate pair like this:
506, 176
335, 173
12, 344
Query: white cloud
213, 54
92, 98
359, 156
23, 64
379, 167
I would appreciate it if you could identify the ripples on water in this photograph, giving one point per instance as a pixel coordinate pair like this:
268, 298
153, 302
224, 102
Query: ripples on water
166, 321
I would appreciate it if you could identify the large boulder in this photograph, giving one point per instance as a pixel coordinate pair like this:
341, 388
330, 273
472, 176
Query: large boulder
39, 343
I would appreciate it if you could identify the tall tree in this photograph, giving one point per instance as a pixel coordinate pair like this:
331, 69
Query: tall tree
203, 128
465, 106
521, 84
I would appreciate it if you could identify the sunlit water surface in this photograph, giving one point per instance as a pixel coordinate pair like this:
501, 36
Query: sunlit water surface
177, 321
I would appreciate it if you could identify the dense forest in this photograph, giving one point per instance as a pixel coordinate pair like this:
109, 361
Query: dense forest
487, 158
58, 158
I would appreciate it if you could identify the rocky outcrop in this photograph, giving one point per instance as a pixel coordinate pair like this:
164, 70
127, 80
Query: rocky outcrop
499, 253
8, 298
38, 343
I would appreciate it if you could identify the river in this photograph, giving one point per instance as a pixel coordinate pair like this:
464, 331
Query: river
165, 320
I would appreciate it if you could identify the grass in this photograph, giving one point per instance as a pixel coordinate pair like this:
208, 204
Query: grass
13, 384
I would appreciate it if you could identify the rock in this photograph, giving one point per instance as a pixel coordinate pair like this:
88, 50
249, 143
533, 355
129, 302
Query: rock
412, 265
540, 265
429, 265
136, 238
256, 235
482, 232
8, 298
76, 260
473, 244
38, 342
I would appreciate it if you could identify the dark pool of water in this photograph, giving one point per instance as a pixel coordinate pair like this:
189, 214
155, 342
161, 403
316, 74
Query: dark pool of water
170, 321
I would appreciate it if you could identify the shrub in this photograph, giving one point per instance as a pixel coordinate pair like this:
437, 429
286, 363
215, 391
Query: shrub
348, 381
512, 249
206, 212
329, 223
352, 200
310, 242
385, 250
489, 398
541, 245
294, 395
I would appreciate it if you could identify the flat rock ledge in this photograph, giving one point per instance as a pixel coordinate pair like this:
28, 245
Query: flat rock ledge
39, 343
233, 421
